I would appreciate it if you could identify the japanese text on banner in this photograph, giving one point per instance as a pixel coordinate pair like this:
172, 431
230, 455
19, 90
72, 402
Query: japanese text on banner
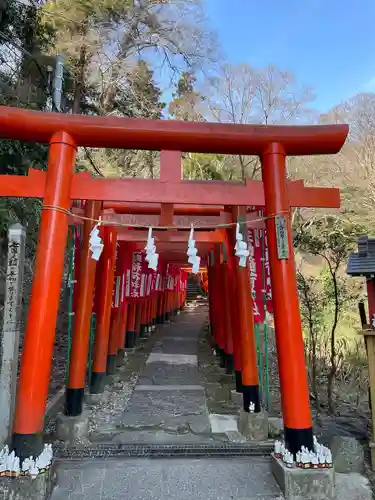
256, 274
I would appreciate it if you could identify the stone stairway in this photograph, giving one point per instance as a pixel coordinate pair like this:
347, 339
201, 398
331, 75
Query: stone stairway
193, 289
168, 409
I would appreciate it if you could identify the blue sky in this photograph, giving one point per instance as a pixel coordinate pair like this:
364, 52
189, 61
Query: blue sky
327, 44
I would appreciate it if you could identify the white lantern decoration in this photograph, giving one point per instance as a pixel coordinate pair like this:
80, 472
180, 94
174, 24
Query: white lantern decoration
151, 256
95, 242
241, 248
193, 258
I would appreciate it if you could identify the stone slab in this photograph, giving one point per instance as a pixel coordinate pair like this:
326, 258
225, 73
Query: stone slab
348, 454
72, 429
165, 479
153, 408
170, 346
23, 488
236, 397
172, 359
253, 426
186, 338
352, 487
300, 484
275, 427
221, 424
167, 374
160, 436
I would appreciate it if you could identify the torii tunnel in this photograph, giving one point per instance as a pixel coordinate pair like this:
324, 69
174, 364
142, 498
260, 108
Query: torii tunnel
172, 202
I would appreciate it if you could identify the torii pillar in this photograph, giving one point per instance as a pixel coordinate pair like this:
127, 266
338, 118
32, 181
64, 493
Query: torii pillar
44, 302
288, 330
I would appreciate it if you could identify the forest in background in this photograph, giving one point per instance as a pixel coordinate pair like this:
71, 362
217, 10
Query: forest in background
160, 59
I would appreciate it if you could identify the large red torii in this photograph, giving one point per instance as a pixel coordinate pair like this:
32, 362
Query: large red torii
60, 185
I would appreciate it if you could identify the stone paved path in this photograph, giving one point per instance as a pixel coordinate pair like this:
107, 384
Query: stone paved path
168, 405
169, 395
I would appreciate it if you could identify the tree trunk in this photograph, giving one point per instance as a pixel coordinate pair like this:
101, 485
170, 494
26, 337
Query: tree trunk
333, 369
80, 81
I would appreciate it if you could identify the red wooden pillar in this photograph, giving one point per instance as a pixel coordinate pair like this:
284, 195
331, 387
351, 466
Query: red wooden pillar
112, 343
130, 326
210, 300
232, 263
81, 330
138, 319
246, 337
288, 330
219, 306
161, 317
143, 323
154, 309
213, 304
166, 305
106, 272
227, 293
122, 332
149, 313
41, 321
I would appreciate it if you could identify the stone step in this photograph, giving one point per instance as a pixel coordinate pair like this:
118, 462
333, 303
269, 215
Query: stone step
164, 479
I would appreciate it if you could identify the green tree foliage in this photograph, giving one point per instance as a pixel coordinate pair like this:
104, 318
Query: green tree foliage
186, 100
187, 104
23, 83
327, 296
141, 98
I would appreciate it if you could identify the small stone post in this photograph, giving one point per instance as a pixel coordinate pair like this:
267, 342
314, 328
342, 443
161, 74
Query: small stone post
10, 335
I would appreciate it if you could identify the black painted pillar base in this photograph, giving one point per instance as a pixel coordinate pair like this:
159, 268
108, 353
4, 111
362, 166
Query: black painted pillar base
251, 395
120, 357
73, 402
167, 316
222, 358
97, 382
130, 340
296, 438
238, 376
158, 320
217, 349
142, 331
229, 363
111, 364
27, 445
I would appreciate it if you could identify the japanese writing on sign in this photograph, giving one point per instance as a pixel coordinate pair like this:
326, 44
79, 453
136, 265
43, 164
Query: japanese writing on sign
268, 274
281, 237
143, 283
256, 273
135, 289
11, 282
123, 280
253, 273
117, 291
128, 282
14, 278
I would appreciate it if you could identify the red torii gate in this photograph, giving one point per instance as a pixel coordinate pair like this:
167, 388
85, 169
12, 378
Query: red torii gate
59, 186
